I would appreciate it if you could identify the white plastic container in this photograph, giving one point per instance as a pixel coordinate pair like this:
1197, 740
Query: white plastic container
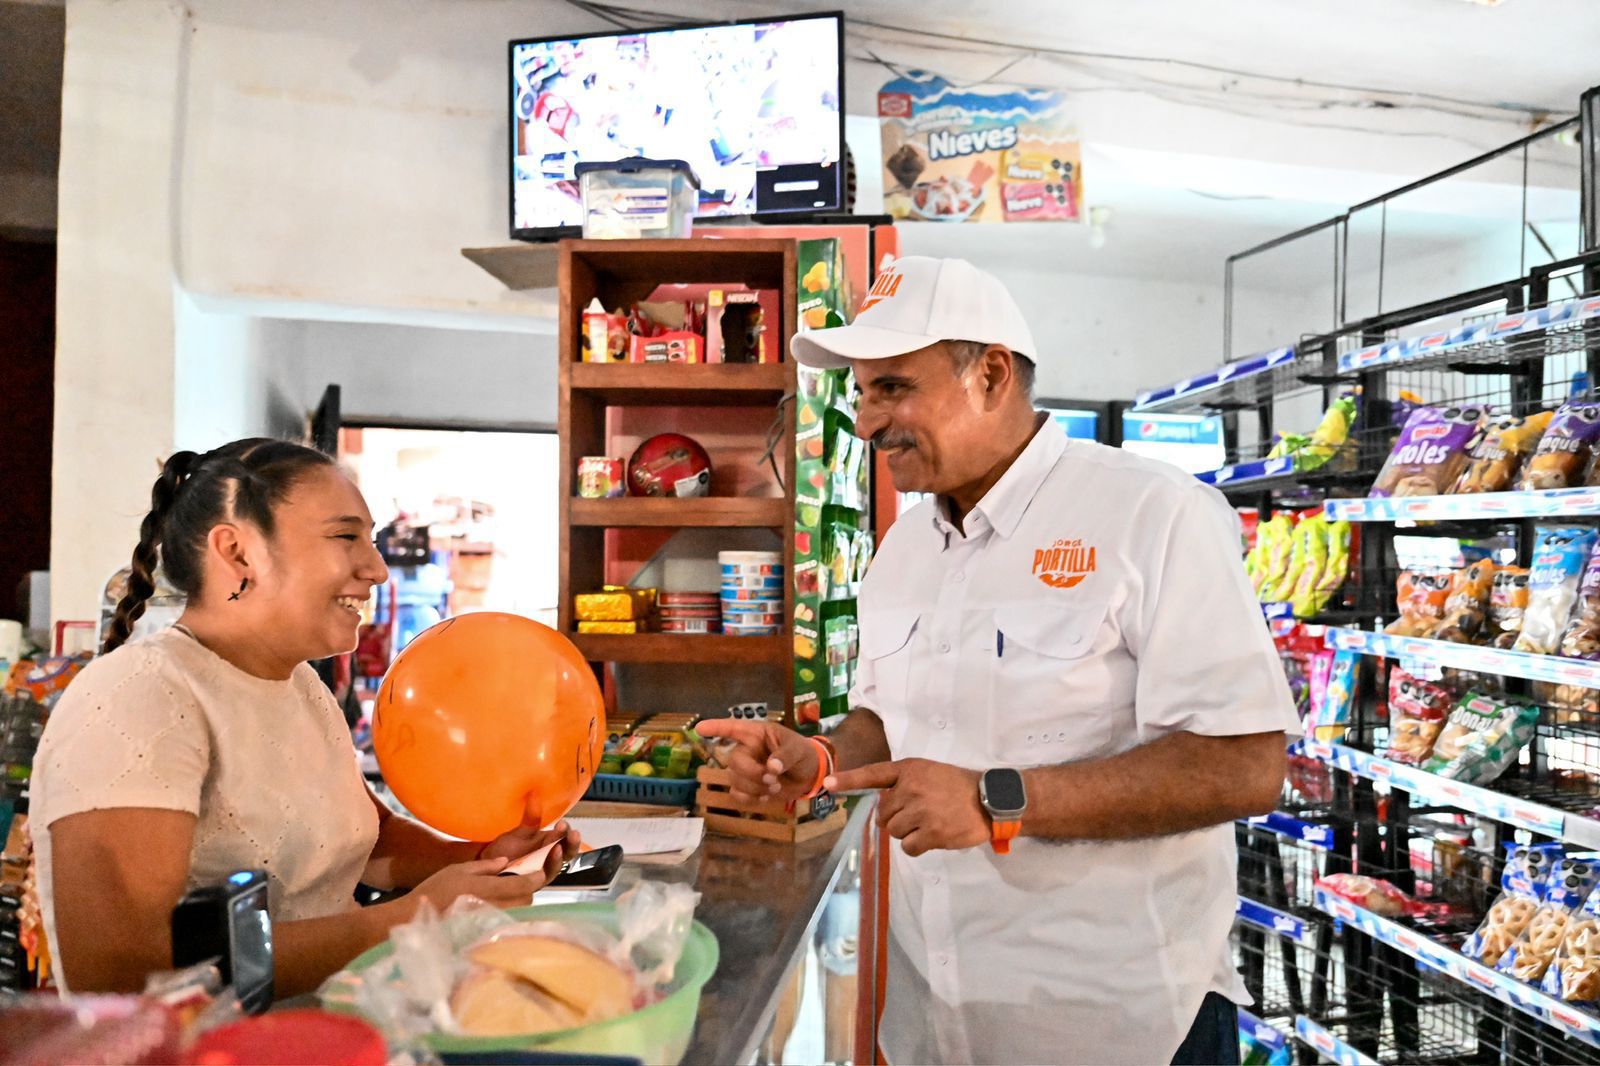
638, 198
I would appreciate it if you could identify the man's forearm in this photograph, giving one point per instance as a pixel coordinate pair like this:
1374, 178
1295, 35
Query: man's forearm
859, 740
1175, 784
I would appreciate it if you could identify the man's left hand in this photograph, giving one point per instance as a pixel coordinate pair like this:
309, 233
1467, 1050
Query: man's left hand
923, 804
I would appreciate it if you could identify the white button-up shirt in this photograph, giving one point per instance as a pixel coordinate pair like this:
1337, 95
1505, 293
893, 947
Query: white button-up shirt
1095, 603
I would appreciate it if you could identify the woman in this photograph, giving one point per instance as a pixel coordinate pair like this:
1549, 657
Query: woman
213, 746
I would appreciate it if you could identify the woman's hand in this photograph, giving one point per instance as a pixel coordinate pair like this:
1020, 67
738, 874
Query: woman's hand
527, 839
482, 879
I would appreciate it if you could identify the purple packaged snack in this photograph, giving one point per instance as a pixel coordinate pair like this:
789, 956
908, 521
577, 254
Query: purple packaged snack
1582, 638
1432, 450
1565, 450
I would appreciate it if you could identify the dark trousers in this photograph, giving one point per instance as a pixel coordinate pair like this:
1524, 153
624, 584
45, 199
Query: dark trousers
1213, 1040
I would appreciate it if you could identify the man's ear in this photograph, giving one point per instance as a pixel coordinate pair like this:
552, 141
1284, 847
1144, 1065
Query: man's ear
998, 372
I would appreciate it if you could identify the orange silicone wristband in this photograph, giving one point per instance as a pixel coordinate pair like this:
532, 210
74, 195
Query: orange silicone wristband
1002, 833
824, 766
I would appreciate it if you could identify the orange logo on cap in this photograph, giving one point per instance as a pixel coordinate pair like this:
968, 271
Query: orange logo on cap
887, 285
1064, 564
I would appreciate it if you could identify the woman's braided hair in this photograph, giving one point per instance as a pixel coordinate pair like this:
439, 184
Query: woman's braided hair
241, 481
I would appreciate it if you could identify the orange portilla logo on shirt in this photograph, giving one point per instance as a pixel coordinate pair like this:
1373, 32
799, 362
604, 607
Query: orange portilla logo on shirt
1064, 564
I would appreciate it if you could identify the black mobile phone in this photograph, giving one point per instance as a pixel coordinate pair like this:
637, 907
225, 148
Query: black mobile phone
592, 869
228, 922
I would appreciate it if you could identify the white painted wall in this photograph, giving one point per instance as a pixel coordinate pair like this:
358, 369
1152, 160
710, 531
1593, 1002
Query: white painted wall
419, 374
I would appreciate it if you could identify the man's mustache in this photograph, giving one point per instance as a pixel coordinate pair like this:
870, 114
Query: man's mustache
885, 439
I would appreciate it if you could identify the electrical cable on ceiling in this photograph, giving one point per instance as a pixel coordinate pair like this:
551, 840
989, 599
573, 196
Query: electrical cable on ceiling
1198, 95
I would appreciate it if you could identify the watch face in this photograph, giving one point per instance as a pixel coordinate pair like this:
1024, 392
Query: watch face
1003, 790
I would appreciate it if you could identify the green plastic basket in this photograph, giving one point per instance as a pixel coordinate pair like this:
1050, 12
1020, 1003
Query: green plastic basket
662, 791
657, 1034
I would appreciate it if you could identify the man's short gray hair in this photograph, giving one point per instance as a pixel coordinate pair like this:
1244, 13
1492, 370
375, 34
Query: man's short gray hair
966, 353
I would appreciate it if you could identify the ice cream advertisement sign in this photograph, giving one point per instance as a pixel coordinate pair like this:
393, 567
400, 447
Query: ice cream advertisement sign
987, 153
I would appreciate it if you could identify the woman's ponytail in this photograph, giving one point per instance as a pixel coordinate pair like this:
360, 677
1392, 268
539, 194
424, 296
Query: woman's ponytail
142, 580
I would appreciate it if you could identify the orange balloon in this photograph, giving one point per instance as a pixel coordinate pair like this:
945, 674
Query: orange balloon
488, 721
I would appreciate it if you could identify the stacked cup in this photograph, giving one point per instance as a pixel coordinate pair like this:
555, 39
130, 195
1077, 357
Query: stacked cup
752, 593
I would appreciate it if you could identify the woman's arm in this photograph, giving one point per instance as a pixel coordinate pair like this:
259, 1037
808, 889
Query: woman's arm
408, 852
117, 874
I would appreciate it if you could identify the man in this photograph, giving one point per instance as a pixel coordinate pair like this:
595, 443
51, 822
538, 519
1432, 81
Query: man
1061, 648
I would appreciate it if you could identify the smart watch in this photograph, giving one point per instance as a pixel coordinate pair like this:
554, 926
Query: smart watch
1002, 794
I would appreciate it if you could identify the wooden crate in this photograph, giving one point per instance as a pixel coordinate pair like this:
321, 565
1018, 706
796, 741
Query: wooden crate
724, 813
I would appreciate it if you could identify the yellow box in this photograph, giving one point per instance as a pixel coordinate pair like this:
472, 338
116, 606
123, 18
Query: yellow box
610, 627
614, 605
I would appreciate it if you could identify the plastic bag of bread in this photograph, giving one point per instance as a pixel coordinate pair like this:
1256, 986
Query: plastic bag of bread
1467, 608
478, 971
1559, 557
1482, 737
1565, 890
1566, 449
1370, 893
1582, 637
1421, 599
1497, 461
1431, 452
1508, 600
1522, 886
1568, 703
1417, 713
1574, 975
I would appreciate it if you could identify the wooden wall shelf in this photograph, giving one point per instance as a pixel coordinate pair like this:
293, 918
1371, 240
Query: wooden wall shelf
638, 512
669, 385
720, 650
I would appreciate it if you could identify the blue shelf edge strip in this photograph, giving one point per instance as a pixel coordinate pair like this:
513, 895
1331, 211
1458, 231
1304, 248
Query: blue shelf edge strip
1567, 312
1264, 1033
1564, 1017
1555, 669
1548, 503
1327, 1045
1524, 814
1285, 825
1225, 374
1252, 471
1270, 919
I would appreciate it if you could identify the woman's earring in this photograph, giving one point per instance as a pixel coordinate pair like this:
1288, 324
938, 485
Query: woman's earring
242, 586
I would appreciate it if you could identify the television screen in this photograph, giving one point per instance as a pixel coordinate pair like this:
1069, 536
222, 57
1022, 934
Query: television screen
756, 108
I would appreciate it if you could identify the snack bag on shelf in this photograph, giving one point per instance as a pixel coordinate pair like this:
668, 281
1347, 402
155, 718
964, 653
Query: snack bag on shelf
1566, 889
1468, 606
1582, 637
1559, 557
1522, 885
1313, 534
1421, 601
1329, 436
1483, 736
1273, 546
1377, 896
1571, 703
1431, 452
1417, 713
1566, 449
1340, 534
1508, 600
1575, 973
1330, 715
1497, 461
1282, 589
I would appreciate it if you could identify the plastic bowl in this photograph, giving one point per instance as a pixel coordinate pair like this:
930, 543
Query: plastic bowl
658, 1033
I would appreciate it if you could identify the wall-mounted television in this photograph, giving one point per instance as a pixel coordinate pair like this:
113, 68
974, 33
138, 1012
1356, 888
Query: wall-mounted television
755, 107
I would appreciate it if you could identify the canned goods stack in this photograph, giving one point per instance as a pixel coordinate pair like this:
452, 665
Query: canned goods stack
690, 612
752, 593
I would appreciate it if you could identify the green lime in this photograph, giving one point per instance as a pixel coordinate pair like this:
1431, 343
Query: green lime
641, 769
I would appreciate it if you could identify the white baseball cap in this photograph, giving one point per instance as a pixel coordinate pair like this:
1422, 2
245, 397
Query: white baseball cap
918, 301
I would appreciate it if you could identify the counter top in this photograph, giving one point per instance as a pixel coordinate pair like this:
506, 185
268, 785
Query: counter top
763, 901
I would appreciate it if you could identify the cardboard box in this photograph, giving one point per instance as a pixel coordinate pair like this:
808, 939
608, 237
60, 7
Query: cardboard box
742, 326
679, 346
